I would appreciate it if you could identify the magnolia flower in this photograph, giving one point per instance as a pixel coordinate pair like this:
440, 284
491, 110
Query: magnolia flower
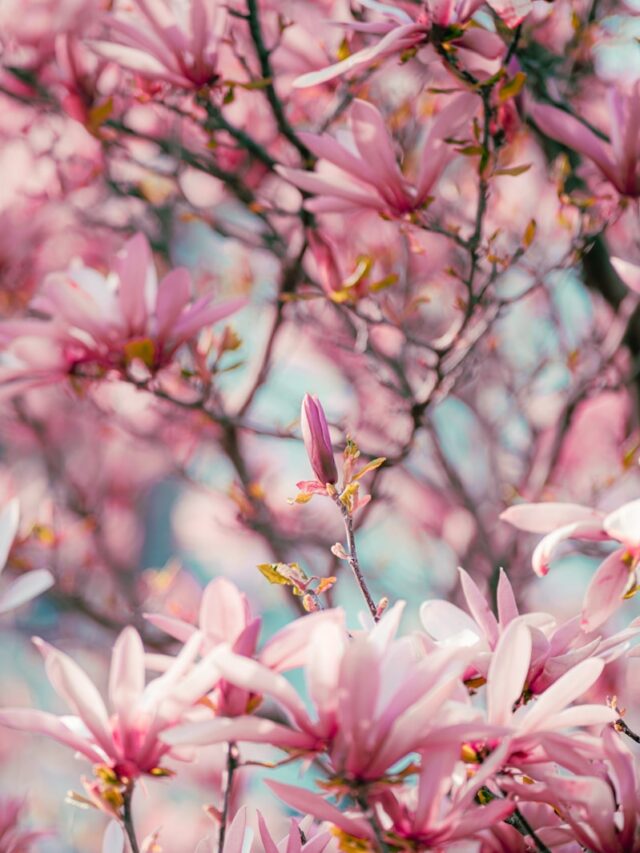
32, 583
619, 159
365, 718
366, 174
317, 441
615, 577
401, 32
101, 322
534, 727
125, 743
168, 40
13, 839
225, 618
555, 648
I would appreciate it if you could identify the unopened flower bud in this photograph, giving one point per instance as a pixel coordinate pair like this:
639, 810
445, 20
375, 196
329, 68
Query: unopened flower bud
315, 432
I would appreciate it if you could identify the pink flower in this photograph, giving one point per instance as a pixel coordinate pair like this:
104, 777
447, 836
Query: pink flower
618, 160
615, 577
402, 33
12, 838
366, 174
446, 811
101, 322
317, 441
555, 648
126, 743
168, 40
225, 619
32, 583
364, 719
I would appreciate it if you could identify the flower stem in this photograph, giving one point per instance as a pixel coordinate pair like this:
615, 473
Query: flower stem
233, 758
127, 820
352, 558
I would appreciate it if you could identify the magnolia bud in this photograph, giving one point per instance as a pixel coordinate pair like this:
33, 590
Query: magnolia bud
317, 441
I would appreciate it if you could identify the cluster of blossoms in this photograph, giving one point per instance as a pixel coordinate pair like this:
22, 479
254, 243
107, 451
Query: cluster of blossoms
427, 210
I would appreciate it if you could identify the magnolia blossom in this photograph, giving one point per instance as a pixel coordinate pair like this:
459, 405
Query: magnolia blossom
32, 583
126, 743
555, 648
13, 838
364, 721
365, 173
168, 40
225, 619
619, 159
402, 32
97, 323
616, 576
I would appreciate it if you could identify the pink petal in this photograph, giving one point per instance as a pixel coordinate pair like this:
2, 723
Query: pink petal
9, 521
25, 588
508, 672
288, 647
444, 621
170, 625
507, 607
127, 674
224, 611
268, 844
512, 12
249, 729
310, 803
480, 610
73, 685
398, 40
547, 517
605, 591
567, 688
42, 723
202, 314
234, 840
623, 524
256, 678
544, 550
628, 272
174, 292
570, 132
372, 140
134, 267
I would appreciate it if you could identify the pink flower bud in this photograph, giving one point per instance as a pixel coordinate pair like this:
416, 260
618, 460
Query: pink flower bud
317, 441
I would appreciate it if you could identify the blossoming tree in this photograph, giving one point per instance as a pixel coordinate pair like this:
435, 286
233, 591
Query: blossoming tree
305, 305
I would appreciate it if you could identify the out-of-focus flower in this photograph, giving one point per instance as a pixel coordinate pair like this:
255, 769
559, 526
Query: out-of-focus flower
13, 839
371, 177
616, 576
619, 159
32, 583
168, 40
317, 441
402, 33
126, 743
98, 323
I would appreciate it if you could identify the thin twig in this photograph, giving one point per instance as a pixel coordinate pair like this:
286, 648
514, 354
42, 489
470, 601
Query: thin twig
233, 759
127, 820
352, 558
